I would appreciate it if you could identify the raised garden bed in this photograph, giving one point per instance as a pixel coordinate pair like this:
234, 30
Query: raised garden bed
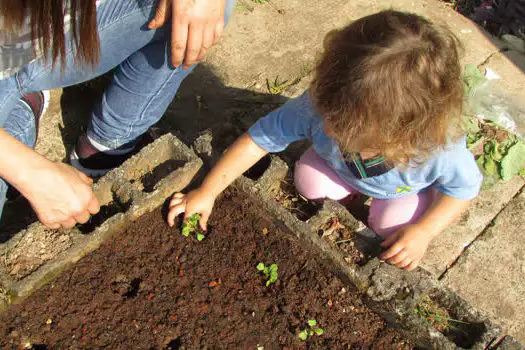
150, 287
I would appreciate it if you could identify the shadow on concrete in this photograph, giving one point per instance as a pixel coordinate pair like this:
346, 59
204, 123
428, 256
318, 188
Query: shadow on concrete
202, 103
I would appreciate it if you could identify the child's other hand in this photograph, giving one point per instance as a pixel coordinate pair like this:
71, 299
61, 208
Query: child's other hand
406, 247
196, 201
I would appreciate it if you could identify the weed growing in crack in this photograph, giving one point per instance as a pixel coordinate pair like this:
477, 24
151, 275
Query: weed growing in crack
5, 296
270, 272
311, 330
437, 316
277, 87
192, 225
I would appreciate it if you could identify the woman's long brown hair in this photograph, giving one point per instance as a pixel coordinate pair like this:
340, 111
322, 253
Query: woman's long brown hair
46, 18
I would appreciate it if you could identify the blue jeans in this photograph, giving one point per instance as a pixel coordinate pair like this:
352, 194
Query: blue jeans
143, 85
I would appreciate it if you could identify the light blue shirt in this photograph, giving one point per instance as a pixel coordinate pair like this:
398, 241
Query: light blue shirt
452, 171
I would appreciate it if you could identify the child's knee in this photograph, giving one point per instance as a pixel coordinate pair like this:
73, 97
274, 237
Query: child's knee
307, 181
389, 215
315, 180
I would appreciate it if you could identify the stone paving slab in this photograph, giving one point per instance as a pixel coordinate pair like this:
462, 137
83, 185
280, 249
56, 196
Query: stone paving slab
510, 66
292, 37
509, 343
446, 247
491, 273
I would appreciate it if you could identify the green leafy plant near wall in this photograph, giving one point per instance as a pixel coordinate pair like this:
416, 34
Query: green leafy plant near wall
500, 154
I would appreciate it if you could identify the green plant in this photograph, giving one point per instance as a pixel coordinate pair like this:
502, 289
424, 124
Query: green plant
437, 316
501, 155
503, 159
472, 78
270, 272
192, 225
277, 87
311, 330
5, 296
513, 162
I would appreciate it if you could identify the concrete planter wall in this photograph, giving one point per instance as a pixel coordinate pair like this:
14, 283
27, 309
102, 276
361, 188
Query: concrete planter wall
36, 255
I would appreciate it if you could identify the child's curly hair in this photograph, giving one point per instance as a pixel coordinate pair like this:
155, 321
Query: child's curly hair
391, 82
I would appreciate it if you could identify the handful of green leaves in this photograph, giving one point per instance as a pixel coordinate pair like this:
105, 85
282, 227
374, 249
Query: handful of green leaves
270, 272
503, 160
502, 153
192, 225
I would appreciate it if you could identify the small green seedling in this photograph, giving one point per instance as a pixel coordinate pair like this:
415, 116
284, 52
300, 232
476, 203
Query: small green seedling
311, 330
270, 272
192, 225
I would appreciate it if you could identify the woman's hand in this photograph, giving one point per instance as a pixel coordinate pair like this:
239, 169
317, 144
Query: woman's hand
196, 201
60, 195
406, 247
196, 26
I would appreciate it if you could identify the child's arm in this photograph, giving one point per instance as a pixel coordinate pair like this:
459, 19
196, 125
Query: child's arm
238, 158
407, 246
291, 122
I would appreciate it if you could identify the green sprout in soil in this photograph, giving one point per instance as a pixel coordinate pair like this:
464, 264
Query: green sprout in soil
192, 225
311, 330
270, 272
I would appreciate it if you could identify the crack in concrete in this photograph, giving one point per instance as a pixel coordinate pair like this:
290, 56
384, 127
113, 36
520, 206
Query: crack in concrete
485, 229
489, 57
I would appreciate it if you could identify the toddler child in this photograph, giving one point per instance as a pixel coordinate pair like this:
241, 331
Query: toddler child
383, 114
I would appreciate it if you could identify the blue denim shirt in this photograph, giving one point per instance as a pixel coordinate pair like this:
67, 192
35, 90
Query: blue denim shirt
452, 171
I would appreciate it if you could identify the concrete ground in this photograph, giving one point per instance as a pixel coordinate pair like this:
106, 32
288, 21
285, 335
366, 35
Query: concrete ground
481, 257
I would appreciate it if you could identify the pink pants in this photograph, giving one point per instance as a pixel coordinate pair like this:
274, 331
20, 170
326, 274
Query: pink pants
314, 179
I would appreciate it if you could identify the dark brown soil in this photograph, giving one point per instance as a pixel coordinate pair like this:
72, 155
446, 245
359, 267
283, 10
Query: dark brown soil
152, 288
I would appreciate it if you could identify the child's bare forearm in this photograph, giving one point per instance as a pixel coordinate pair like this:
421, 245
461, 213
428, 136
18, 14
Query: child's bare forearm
238, 158
441, 214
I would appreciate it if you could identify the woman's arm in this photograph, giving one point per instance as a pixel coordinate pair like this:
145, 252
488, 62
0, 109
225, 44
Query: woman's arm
59, 194
238, 158
407, 246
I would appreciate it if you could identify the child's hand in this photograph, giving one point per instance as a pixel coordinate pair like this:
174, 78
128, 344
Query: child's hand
406, 247
196, 201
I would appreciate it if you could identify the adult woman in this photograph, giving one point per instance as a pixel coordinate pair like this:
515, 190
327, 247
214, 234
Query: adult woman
54, 43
